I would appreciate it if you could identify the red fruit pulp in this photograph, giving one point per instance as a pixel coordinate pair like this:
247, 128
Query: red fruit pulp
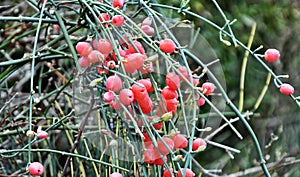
103, 45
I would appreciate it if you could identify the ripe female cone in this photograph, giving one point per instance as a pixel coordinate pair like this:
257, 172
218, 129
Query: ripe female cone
133, 61
118, 3
160, 161
103, 45
164, 149
108, 96
139, 92
184, 71
104, 17
150, 155
126, 97
115, 104
148, 29
271, 55
201, 102
131, 48
286, 89
173, 80
83, 48
167, 173
95, 56
171, 105
118, 20
147, 83
147, 21
145, 104
189, 173
42, 134
167, 45
36, 169
169, 93
199, 144
114, 83
84, 62
208, 88
180, 141
116, 174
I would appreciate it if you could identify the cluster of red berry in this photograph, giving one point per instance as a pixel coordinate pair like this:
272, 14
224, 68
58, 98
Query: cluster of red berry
272, 55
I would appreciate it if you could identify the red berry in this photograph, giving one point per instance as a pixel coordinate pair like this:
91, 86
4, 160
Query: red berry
84, 48
180, 141
173, 80
189, 173
116, 174
148, 29
150, 155
160, 161
36, 169
196, 80
139, 92
118, 20
111, 64
115, 104
103, 45
84, 62
162, 148
147, 21
145, 104
171, 105
108, 96
167, 173
169, 93
271, 55
104, 18
286, 89
133, 61
126, 97
167, 45
200, 102
95, 56
147, 83
158, 125
184, 71
147, 138
199, 144
131, 49
118, 3
208, 88
114, 83
42, 134
147, 69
